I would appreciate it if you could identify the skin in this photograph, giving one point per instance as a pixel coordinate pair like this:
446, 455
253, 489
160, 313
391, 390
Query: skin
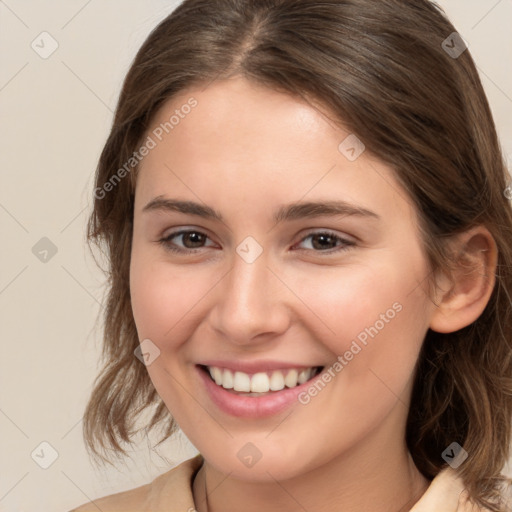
245, 150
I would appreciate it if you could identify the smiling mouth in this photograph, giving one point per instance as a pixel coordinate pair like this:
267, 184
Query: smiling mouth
261, 383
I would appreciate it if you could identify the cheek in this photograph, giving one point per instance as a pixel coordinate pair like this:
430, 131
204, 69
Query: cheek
163, 303
373, 315
378, 315
163, 294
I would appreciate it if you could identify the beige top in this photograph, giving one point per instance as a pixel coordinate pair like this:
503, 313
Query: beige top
172, 492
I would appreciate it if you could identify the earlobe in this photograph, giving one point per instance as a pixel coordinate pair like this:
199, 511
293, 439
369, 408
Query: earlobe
462, 298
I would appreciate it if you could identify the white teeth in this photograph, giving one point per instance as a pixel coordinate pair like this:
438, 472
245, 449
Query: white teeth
304, 375
216, 373
277, 381
261, 382
227, 380
242, 382
290, 380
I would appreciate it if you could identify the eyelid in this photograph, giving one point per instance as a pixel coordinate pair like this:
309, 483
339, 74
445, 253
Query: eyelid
326, 231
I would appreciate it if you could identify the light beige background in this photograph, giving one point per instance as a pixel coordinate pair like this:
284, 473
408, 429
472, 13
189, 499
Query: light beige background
55, 114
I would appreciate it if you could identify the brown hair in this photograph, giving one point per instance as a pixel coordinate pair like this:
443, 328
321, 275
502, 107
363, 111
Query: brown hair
380, 67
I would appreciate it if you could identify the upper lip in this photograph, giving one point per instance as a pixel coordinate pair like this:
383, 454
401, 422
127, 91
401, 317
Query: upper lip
251, 367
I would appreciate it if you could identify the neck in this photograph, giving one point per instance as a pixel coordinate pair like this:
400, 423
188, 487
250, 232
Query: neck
375, 476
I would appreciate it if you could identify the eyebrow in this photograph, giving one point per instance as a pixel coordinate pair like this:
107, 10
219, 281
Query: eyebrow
293, 211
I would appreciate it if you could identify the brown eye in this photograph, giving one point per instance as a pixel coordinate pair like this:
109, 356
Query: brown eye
325, 241
190, 240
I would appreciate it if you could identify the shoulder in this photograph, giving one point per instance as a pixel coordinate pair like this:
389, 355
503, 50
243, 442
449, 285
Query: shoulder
167, 492
446, 493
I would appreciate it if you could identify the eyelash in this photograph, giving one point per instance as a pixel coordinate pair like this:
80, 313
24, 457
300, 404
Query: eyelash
166, 242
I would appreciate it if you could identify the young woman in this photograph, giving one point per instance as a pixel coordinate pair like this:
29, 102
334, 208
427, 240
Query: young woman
305, 211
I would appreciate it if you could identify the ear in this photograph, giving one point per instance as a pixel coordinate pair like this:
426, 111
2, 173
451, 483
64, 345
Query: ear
462, 297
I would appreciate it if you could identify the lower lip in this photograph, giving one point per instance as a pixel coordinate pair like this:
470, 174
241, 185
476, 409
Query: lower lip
255, 406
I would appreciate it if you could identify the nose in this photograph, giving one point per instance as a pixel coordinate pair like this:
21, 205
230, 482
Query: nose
250, 303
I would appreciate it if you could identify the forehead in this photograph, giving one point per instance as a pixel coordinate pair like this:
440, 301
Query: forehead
235, 123
228, 111
236, 142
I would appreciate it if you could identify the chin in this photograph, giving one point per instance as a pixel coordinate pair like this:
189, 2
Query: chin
271, 465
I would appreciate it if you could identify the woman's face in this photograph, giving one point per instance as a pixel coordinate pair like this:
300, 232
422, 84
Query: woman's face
314, 260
